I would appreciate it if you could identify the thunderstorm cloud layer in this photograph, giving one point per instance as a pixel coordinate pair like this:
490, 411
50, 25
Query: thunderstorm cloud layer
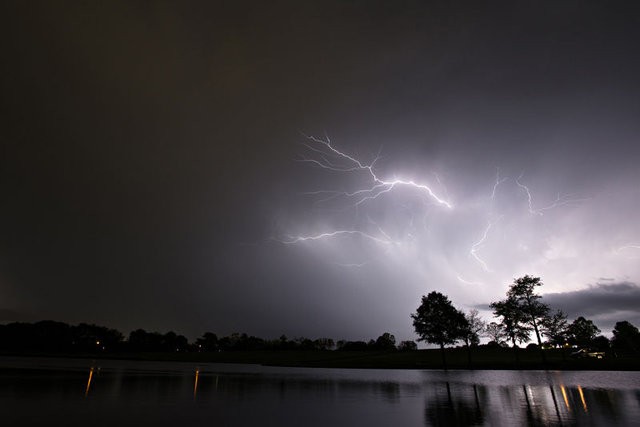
472, 245
313, 169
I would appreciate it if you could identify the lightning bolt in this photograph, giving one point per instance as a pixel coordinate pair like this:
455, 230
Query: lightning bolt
321, 153
560, 200
382, 240
467, 282
353, 264
476, 246
331, 158
497, 183
628, 247
625, 249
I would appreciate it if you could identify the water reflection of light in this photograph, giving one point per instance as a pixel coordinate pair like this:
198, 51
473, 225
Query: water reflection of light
195, 384
584, 402
528, 393
564, 395
555, 402
86, 391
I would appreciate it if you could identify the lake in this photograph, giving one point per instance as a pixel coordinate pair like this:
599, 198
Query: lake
84, 392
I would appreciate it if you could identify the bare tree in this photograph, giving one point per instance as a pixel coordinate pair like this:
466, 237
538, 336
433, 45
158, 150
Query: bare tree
554, 327
471, 333
495, 332
474, 329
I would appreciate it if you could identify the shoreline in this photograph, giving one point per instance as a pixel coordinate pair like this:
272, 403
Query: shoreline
457, 359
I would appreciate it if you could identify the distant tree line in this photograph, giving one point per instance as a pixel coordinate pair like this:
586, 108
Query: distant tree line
53, 336
57, 337
520, 315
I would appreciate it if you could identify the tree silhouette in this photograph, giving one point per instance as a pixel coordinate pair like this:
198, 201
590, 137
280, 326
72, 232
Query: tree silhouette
471, 333
601, 343
437, 321
208, 342
324, 344
96, 338
523, 311
626, 337
522, 291
407, 346
554, 327
385, 341
513, 322
495, 332
582, 331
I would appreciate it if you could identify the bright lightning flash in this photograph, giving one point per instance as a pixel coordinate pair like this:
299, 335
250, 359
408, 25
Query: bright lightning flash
323, 154
333, 159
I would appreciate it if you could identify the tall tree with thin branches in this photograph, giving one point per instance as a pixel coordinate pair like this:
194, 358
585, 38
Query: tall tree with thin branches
534, 311
495, 333
513, 322
471, 334
554, 327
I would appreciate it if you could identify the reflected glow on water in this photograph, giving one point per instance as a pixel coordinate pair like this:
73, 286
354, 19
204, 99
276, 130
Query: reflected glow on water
156, 393
195, 384
584, 403
86, 391
564, 395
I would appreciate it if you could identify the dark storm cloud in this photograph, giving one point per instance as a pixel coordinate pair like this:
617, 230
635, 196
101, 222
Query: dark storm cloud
148, 154
605, 304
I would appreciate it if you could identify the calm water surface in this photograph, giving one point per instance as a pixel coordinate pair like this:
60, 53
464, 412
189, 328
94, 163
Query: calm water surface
74, 392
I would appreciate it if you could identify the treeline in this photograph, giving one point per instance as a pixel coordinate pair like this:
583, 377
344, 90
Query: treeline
50, 336
58, 337
241, 342
520, 316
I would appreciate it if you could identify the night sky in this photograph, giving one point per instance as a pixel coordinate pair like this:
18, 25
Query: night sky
208, 166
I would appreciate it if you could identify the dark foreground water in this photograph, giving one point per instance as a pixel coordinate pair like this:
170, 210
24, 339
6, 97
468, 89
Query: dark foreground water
80, 392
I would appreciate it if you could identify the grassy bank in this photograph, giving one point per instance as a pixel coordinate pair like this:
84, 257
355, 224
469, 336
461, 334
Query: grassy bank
457, 358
